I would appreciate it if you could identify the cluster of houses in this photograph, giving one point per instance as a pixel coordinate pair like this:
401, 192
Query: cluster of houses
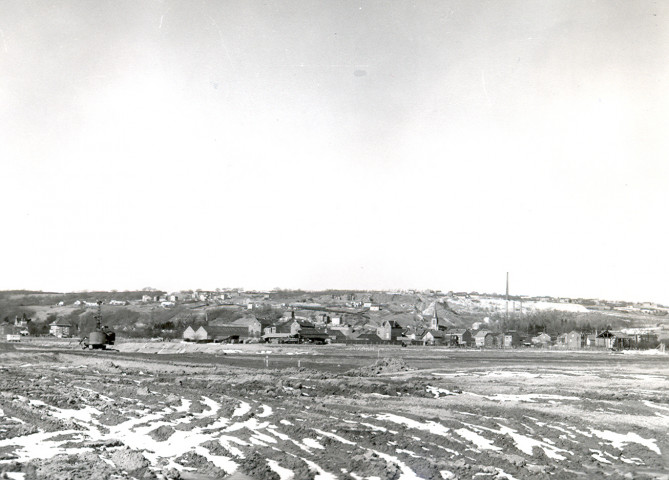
608, 339
292, 329
13, 332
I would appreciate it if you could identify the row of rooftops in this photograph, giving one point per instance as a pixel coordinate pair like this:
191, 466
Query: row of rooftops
305, 329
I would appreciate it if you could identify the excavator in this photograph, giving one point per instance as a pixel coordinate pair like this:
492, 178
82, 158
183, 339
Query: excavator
99, 338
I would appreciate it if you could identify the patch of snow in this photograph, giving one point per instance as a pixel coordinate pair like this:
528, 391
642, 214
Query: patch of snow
285, 422
285, 437
84, 415
560, 429
406, 472
263, 438
432, 427
213, 405
374, 427
184, 407
437, 392
526, 444
408, 452
266, 411
243, 409
39, 445
643, 376
310, 442
103, 397
334, 436
227, 441
619, 440
529, 397
502, 474
574, 429
598, 456
283, 473
506, 373
224, 463
481, 442
251, 424
648, 403
449, 450
321, 474
279, 435
644, 352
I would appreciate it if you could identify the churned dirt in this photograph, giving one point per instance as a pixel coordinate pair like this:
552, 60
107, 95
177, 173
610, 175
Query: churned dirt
347, 414
380, 367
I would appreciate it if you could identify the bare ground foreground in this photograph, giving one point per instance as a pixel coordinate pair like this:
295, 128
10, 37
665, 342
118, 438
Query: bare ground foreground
324, 412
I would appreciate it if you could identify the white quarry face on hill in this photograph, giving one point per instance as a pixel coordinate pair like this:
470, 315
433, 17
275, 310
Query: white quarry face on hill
499, 305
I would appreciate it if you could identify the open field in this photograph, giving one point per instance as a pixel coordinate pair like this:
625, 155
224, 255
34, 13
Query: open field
214, 411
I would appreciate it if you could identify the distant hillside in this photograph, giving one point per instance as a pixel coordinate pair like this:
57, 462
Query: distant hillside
459, 310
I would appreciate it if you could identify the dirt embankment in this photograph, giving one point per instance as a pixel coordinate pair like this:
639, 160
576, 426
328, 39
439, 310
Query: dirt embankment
384, 366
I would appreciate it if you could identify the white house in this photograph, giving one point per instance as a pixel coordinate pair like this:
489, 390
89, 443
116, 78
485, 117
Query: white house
189, 334
60, 329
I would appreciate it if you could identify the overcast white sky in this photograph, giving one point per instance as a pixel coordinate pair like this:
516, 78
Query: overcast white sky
317, 144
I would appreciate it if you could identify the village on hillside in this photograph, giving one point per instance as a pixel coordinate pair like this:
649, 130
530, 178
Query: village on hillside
407, 318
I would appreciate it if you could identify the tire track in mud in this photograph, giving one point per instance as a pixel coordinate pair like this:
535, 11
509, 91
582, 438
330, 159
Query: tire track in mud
150, 423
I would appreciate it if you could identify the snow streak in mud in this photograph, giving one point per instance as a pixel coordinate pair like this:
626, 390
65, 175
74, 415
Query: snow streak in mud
294, 426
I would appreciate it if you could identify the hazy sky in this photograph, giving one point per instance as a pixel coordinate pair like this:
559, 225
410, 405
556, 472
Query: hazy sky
336, 144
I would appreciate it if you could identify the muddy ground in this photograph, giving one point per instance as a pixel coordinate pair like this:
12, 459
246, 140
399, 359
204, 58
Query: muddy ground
257, 412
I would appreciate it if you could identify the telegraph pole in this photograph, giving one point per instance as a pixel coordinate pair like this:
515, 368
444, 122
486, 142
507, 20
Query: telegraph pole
507, 297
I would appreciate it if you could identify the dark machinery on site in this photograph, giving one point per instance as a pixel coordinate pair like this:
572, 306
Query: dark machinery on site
101, 337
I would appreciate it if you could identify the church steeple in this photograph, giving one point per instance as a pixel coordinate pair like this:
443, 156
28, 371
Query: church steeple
434, 324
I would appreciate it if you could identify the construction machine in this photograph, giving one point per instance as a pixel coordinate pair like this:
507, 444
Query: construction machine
101, 337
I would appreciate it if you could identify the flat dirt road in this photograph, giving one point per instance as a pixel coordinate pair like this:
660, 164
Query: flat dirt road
324, 412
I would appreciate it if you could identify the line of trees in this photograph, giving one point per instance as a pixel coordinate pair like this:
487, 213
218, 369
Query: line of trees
555, 322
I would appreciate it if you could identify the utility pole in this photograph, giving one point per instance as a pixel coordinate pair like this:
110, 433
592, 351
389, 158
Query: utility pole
98, 316
507, 297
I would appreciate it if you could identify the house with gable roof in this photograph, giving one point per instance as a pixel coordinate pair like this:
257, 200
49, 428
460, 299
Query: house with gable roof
389, 330
484, 339
460, 337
